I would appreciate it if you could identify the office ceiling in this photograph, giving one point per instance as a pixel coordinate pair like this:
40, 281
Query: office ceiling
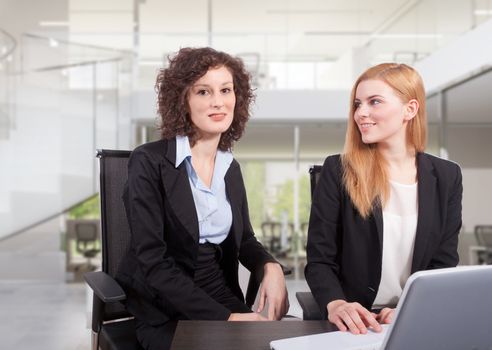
273, 30
279, 30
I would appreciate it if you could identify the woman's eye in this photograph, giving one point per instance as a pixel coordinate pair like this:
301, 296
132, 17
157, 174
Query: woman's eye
202, 92
226, 90
375, 102
356, 105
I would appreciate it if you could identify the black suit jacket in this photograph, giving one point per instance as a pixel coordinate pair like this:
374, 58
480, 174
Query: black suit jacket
157, 273
344, 251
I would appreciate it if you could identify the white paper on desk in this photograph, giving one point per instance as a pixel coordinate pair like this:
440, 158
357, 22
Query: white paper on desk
332, 341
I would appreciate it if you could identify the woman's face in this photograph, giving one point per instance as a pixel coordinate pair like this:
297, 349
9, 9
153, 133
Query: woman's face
380, 114
211, 101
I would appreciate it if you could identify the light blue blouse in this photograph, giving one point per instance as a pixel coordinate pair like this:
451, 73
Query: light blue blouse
212, 206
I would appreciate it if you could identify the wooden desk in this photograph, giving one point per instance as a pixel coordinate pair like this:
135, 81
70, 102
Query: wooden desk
218, 335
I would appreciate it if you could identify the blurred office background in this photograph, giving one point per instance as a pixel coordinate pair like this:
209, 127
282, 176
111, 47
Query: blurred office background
78, 75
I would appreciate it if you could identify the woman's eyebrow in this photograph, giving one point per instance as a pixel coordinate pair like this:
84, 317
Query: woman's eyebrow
368, 97
207, 85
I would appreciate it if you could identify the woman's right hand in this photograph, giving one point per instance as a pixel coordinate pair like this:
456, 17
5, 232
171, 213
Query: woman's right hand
250, 316
351, 316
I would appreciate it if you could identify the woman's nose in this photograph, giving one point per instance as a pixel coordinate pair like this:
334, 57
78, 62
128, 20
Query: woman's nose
217, 101
362, 111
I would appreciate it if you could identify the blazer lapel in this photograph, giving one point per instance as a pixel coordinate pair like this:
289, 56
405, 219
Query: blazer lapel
232, 191
378, 218
426, 198
178, 190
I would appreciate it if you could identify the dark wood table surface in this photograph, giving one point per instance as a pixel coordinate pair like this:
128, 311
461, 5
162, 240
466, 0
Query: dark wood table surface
220, 335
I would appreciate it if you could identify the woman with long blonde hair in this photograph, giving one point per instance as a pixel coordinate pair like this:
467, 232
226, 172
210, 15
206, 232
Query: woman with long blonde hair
383, 209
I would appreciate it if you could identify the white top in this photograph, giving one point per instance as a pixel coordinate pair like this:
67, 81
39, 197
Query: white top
399, 229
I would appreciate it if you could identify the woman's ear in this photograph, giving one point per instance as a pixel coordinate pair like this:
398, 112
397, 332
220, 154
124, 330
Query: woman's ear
412, 108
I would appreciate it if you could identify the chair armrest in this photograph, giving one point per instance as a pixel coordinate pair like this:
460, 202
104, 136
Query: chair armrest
310, 308
286, 270
104, 286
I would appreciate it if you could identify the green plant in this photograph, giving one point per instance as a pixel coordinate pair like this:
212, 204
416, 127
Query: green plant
88, 209
285, 200
254, 179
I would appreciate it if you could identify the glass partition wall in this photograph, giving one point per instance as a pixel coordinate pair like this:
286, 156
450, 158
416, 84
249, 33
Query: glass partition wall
62, 101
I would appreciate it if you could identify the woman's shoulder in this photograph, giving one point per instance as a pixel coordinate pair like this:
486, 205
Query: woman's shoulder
154, 151
334, 159
445, 170
333, 164
441, 164
153, 147
332, 168
152, 156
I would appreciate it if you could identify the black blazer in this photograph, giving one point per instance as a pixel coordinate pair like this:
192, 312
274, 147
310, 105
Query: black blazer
157, 273
344, 251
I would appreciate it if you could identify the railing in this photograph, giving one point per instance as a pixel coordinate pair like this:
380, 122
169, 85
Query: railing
8, 46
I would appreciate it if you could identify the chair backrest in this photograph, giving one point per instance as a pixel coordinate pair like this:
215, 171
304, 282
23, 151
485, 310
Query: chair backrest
86, 235
115, 231
314, 172
483, 234
271, 229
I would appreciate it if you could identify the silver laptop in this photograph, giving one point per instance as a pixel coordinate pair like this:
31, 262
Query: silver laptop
439, 309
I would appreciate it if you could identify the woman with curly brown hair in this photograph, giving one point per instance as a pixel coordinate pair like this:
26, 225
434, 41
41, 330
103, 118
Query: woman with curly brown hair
186, 205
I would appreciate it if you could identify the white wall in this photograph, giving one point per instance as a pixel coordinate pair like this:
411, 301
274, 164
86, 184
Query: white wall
477, 198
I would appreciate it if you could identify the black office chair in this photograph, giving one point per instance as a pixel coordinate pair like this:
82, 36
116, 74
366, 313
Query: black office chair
304, 230
310, 308
112, 326
272, 236
483, 234
87, 242
107, 333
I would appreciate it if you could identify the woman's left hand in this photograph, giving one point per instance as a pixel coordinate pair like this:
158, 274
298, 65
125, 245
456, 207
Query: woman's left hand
385, 315
274, 292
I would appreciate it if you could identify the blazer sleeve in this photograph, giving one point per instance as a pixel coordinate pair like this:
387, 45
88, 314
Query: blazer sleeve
252, 254
145, 210
446, 254
324, 236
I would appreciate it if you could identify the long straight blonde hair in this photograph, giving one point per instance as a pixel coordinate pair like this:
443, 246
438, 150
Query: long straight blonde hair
365, 174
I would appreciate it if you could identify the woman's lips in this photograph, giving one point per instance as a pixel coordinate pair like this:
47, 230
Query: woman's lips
366, 126
217, 116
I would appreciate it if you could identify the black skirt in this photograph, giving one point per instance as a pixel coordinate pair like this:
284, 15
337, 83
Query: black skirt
209, 277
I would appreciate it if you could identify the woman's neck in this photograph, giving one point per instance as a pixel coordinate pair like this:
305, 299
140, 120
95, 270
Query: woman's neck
203, 155
205, 149
401, 162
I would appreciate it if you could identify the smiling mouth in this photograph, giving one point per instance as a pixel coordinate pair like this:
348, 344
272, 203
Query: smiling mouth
365, 126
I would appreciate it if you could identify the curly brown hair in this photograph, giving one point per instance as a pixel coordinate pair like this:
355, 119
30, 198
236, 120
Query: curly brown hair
173, 85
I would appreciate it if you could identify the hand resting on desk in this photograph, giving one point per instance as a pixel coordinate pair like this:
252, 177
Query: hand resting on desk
250, 316
273, 291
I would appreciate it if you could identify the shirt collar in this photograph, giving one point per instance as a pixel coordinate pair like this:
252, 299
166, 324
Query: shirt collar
183, 149
222, 162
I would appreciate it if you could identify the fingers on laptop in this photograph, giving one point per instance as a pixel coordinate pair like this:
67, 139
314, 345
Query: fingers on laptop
386, 315
352, 316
